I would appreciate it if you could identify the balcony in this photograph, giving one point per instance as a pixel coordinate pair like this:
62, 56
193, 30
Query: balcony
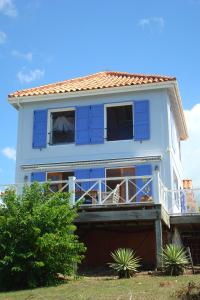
132, 191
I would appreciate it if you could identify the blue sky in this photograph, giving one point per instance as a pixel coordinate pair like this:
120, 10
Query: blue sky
43, 41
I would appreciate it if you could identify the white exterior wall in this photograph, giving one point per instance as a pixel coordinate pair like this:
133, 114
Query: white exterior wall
159, 143
175, 149
175, 159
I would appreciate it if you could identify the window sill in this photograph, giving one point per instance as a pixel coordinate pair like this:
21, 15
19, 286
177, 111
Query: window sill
132, 139
60, 145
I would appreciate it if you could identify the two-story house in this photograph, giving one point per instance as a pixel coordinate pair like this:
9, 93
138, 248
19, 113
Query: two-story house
112, 139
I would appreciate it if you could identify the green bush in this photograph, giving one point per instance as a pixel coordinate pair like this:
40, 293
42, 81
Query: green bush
37, 239
174, 260
125, 262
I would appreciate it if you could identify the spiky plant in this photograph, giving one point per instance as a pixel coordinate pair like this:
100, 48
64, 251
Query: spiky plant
125, 262
174, 259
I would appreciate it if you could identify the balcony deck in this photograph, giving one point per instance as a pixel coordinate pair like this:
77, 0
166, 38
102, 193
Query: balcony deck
123, 213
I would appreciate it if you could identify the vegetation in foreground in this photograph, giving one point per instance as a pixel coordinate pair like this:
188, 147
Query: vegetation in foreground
37, 239
174, 260
140, 287
125, 262
189, 292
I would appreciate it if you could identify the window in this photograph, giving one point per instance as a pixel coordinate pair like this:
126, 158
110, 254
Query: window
119, 123
62, 127
58, 179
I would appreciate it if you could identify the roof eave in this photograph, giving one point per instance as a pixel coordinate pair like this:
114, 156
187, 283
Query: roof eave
15, 101
180, 107
172, 84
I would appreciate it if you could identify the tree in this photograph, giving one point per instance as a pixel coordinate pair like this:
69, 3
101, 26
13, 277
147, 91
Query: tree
37, 237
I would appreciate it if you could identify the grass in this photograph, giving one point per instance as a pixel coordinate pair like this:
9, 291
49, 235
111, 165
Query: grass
140, 287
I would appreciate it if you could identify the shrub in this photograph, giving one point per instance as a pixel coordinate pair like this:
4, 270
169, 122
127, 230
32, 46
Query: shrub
37, 239
126, 263
174, 260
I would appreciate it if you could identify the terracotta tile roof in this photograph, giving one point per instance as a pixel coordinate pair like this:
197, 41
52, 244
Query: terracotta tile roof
99, 80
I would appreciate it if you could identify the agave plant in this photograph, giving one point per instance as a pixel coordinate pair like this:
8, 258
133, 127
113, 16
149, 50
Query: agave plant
125, 262
174, 259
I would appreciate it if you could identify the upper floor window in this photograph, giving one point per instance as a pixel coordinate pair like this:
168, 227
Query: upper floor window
119, 122
62, 127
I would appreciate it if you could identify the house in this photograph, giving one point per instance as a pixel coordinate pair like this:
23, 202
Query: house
114, 140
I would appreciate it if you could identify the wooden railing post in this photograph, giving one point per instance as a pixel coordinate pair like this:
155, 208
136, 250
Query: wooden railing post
156, 187
71, 180
127, 190
100, 192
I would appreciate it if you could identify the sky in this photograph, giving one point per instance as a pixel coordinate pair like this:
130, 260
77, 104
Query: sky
44, 41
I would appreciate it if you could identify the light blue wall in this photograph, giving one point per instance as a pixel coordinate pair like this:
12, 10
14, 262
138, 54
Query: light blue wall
175, 149
159, 143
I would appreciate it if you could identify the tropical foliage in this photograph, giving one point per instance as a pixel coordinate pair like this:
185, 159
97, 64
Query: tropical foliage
37, 239
125, 262
174, 259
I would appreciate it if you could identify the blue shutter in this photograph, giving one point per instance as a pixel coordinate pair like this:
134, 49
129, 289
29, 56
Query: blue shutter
97, 124
83, 174
40, 129
82, 125
141, 120
142, 170
90, 173
98, 173
38, 176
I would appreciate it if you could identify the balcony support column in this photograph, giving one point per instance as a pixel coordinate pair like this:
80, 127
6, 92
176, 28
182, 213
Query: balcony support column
159, 242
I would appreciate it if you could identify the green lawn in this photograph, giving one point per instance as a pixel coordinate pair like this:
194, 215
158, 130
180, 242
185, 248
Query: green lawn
108, 288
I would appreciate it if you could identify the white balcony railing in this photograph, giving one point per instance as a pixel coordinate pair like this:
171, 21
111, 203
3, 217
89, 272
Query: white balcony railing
132, 190
113, 190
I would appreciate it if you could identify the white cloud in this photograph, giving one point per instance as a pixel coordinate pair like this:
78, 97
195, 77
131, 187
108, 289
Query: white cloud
7, 7
144, 22
2, 37
32, 75
27, 56
191, 147
152, 23
9, 153
160, 21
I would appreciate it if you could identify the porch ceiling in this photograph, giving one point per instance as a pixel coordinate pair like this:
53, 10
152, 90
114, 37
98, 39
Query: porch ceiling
90, 164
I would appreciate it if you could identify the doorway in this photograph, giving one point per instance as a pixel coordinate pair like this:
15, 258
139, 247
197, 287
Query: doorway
121, 172
59, 177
